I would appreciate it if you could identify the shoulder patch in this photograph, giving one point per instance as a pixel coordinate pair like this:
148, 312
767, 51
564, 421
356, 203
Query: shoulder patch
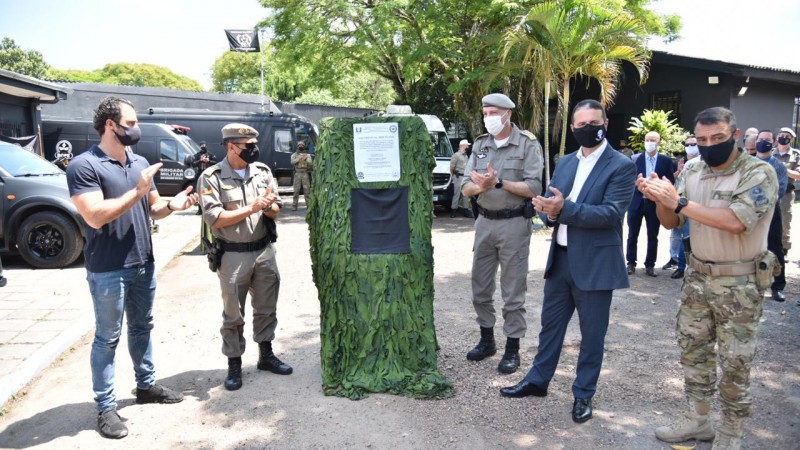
527, 133
211, 170
758, 196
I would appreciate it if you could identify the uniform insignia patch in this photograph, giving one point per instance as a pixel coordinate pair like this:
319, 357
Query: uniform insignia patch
206, 190
758, 196
482, 155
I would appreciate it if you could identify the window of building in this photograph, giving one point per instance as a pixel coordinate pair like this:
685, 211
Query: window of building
667, 101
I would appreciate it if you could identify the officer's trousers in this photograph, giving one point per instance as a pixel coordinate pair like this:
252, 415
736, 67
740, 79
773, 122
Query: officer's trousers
786, 203
240, 273
504, 243
459, 201
719, 315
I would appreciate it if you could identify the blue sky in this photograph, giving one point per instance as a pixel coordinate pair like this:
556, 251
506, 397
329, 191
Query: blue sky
187, 36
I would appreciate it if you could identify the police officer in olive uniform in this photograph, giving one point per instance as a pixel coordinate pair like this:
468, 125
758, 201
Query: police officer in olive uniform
790, 157
303, 164
240, 203
729, 197
504, 172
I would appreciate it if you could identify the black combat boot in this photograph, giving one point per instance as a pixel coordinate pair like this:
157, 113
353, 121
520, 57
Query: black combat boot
510, 361
268, 361
234, 380
485, 347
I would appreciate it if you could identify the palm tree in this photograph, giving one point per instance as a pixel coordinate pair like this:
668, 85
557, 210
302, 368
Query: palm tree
561, 40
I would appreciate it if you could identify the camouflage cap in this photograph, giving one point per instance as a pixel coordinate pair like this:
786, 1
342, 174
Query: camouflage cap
238, 131
498, 100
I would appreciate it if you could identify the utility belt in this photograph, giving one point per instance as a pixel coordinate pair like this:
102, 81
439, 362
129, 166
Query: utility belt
301, 170
458, 174
243, 247
502, 213
722, 269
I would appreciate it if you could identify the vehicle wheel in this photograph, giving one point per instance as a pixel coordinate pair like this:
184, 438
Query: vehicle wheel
49, 240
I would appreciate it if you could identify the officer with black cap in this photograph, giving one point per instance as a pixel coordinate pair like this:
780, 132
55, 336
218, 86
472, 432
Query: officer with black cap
201, 161
504, 173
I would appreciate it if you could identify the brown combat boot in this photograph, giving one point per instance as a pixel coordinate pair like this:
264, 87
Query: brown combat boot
729, 433
696, 424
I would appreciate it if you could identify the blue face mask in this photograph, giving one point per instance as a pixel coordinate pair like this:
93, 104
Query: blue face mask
763, 146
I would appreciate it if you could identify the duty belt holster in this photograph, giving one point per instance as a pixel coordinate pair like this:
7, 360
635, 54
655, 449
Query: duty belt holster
502, 213
214, 252
722, 269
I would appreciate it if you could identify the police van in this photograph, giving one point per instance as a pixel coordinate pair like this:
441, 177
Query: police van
278, 134
442, 151
168, 144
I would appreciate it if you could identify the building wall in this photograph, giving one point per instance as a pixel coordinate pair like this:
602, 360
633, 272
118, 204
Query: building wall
764, 105
81, 103
15, 116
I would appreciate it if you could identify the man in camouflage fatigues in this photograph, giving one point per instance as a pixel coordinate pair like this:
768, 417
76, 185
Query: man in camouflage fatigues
729, 197
303, 164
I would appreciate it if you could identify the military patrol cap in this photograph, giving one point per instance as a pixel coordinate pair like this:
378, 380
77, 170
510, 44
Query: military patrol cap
788, 130
238, 131
498, 100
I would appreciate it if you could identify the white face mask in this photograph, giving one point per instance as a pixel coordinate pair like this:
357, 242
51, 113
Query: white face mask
494, 124
650, 147
692, 150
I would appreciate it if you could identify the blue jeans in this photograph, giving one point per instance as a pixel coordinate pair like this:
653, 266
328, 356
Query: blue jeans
681, 251
114, 294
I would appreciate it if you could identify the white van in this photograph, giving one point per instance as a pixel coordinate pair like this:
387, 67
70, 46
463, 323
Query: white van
442, 151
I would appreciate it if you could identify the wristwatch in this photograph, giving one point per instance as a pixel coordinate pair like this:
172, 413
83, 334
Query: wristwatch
682, 202
499, 184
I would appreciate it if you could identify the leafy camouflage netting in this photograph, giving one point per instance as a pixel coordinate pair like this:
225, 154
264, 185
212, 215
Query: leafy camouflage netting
377, 328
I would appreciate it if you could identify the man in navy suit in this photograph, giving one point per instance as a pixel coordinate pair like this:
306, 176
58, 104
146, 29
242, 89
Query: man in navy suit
641, 208
585, 263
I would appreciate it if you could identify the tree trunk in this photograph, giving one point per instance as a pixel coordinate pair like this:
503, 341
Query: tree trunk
564, 116
546, 136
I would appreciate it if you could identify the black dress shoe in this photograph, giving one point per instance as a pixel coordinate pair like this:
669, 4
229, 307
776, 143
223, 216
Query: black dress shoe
677, 274
582, 410
631, 269
651, 271
670, 265
509, 363
523, 389
778, 296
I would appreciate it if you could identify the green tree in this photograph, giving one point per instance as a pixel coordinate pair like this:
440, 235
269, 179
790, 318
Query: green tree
237, 72
566, 40
26, 62
129, 74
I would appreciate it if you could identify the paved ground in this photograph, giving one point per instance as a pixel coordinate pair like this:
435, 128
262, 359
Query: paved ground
44, 312
640, 387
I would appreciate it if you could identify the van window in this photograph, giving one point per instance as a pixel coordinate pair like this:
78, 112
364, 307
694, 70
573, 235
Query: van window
283, 140
169, 150
302, 133
441, 145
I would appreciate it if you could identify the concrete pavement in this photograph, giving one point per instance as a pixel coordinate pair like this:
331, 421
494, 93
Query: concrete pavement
44, 312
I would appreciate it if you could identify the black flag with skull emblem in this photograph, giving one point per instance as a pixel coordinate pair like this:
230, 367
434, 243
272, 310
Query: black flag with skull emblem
243, 40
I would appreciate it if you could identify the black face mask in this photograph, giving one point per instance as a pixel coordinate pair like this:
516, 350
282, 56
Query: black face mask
716, 155
590, 136
783, 140
250, 153
763, 146
131, 136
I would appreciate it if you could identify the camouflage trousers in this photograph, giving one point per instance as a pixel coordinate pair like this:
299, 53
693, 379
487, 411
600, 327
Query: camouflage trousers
301, 179
719, 315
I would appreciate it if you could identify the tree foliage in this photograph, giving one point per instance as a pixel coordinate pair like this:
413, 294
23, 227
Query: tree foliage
441, 56
25, 62
129, 74
672, 135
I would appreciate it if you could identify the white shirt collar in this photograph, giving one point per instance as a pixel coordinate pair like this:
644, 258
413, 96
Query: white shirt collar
595, 154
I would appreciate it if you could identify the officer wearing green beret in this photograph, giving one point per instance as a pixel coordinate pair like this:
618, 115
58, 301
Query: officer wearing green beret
504, 172
240, 202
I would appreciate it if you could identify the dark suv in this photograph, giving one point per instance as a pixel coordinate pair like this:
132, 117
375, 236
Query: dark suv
40, 222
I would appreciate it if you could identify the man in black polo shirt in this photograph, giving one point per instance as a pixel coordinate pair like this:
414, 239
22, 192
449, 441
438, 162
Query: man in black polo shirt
114, 192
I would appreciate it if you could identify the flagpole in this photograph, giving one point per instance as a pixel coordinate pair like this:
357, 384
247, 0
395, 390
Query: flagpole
261, 52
